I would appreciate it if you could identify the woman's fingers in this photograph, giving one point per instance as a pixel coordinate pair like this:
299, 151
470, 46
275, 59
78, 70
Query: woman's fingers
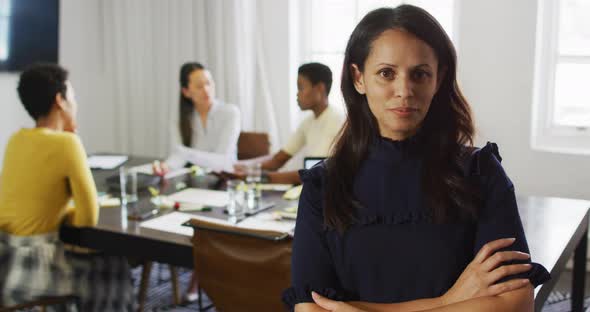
323, 302
490, 248
507, 270
501, 257
332, 305
504, 287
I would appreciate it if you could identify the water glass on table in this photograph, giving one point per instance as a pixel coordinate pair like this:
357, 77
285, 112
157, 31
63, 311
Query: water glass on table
236, 193
253, 178
128, 183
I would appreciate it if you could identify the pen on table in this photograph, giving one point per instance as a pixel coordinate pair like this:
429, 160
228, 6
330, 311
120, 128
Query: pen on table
144, 215
191, 207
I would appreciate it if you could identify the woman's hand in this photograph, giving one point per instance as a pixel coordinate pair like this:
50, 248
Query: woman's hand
160, 169
332, 305
477, 280
240, 169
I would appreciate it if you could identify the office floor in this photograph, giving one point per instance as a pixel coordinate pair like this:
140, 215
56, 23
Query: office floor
160, 293
564, 284
559, 300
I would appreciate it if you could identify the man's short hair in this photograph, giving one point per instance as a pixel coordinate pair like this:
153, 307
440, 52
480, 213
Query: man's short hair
316, 73
38, 85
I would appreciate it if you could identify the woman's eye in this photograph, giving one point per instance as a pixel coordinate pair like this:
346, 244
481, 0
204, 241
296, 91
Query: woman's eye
420, 75
386, 73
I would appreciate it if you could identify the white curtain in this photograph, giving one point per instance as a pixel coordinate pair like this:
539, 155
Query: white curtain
146, 42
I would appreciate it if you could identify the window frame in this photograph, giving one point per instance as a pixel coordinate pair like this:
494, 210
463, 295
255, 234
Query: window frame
5, 19
545, 134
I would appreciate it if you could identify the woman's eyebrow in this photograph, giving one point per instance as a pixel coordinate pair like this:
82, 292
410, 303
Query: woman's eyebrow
422, 65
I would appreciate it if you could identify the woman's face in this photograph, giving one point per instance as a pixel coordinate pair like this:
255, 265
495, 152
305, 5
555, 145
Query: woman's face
400, 79
69, 108
200, 88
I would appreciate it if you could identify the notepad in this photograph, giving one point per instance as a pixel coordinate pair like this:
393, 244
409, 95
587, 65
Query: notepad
106, 162
201, 197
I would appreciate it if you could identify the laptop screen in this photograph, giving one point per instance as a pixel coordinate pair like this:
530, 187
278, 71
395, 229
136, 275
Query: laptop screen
309, 162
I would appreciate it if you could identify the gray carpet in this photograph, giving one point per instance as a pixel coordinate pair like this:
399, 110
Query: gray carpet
159, 297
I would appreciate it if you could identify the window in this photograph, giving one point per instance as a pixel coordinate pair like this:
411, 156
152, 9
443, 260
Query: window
329, 23
4, 28
561, 111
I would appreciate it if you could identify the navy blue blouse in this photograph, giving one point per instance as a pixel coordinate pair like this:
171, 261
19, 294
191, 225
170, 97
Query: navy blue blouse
394, 253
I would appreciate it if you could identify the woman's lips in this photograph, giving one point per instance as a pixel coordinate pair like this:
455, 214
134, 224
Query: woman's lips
403, 111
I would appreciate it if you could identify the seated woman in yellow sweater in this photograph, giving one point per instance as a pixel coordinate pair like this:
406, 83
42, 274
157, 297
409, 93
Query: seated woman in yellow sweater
44, 167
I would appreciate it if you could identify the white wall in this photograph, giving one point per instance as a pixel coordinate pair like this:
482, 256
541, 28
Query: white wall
496, 59
12, 114
80, 52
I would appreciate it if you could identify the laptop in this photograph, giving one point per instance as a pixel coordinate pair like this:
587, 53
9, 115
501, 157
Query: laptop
309, 162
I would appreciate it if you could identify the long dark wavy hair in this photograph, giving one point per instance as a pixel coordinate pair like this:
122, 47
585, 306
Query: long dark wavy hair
187, 109
446, 129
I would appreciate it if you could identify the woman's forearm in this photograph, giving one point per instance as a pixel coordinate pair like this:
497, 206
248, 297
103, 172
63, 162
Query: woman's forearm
520, 300
308, 307
516, 300
414, 305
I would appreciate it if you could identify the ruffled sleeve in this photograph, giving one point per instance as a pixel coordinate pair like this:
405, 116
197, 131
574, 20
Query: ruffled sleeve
312, 268
499, 217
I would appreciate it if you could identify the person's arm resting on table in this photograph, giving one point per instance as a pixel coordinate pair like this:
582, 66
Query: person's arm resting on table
82, 185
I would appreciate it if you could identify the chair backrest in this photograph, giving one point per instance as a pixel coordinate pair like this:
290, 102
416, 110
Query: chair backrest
242, 270
253, 144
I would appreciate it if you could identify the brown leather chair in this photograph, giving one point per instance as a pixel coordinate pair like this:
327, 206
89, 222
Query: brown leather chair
242, 270
253, 144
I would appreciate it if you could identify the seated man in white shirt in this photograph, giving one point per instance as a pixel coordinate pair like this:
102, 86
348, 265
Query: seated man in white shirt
315, 134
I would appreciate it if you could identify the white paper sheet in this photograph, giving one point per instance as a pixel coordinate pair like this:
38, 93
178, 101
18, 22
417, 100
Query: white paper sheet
201, 197
274, 187
106, 161
148, 169
266, 221
173, 221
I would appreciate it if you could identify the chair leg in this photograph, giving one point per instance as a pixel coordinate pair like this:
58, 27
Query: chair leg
200, 299
175, 286
144, 284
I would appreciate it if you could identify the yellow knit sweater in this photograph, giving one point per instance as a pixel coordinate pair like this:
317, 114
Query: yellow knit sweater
43, 169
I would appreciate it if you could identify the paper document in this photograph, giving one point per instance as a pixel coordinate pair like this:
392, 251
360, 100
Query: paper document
201, 196
266, 221
173, 221
106, 161
148, 169
274, 187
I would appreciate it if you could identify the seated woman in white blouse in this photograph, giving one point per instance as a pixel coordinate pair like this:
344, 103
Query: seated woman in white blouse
207, 130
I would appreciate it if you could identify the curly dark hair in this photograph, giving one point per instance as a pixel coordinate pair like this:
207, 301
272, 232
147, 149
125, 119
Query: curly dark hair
38, 85
316, 73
